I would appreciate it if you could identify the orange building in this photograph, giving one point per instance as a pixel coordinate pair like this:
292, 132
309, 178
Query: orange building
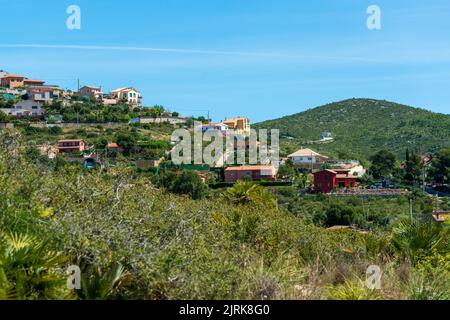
12, 81
254, 173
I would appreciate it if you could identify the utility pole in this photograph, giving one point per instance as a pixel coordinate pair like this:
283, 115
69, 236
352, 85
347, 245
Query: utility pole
78, 84
411, 209
423, 178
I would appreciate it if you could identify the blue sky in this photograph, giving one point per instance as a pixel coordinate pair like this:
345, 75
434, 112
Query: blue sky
257, 58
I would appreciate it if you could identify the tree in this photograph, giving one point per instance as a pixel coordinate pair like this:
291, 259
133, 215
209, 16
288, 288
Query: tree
247, 192
189, 182
415, 238
4, 117
186, 183
338, 214
28, 270
127, 141
287, 170
413, 166
157, 111
383, 164
440, 167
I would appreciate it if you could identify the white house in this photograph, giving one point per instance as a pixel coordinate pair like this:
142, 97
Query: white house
131, 95
354, 166
163, 119
25, 108
307, 158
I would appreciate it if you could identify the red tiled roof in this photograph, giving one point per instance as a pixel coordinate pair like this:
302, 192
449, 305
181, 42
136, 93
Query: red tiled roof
12, 75
34, 81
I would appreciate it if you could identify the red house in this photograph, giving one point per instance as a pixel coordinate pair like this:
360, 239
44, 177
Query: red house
254, 173
326, 181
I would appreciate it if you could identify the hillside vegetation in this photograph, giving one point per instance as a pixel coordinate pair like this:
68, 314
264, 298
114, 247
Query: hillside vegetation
363, 126
133, 240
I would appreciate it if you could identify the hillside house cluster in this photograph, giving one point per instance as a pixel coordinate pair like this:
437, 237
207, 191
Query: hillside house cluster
329, 174
29, 96
128, 95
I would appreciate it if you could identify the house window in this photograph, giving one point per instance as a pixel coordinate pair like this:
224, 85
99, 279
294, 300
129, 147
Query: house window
34, 107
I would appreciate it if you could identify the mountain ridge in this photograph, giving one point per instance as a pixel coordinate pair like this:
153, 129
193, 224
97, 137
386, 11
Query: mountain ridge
362, 126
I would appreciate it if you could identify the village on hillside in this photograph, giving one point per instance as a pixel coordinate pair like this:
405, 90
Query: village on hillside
96, 175
98, 130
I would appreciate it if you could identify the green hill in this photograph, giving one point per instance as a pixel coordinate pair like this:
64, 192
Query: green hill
361, 127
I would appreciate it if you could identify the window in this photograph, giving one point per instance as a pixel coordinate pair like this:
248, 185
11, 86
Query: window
34, 107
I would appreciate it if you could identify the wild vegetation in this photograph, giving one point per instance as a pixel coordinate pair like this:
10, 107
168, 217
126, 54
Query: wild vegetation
134, 240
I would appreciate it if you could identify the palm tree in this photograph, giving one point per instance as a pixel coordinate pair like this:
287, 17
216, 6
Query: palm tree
245, 192
28, 270
97, 284
416, 237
